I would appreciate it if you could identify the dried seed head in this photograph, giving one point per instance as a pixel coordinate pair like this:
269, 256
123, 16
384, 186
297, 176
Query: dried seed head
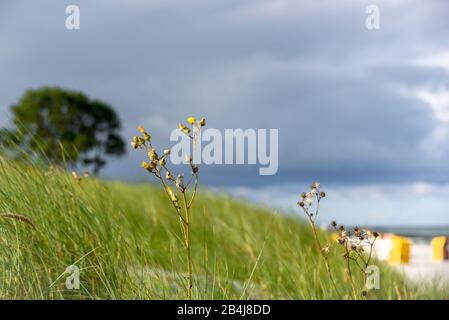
162, 162
179, 180
334, 224
315, 185
152, 154
301, 204
168, 176
153, 164
202, 122
166, 152
188, 158
322, 194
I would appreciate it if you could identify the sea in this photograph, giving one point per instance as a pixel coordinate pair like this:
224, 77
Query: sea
417, 233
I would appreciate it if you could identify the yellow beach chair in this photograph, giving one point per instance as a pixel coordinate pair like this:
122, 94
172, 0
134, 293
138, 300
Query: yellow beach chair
400, 250
440, 248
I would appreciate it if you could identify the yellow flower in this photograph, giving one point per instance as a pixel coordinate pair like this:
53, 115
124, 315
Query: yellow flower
191, 120
141, 129
162, 162
202, 122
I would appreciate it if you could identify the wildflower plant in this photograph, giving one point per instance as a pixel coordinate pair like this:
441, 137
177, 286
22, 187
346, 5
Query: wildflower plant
358, 248
357, 244
175, 186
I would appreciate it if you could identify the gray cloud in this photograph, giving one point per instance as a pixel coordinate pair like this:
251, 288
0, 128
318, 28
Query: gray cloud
334, 89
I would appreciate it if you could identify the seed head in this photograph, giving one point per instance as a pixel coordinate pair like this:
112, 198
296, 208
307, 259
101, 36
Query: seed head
315, 185
202, 122
168, 176
153, 164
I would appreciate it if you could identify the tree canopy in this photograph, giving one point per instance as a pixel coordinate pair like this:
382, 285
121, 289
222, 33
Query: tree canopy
65, 126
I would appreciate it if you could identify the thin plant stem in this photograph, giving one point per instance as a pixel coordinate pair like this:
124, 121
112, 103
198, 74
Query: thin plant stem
187, 246
349, 272
320, 249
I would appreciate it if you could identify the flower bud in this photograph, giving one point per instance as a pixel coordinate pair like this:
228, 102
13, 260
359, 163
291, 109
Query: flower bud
145, 165
168, 176
153, 164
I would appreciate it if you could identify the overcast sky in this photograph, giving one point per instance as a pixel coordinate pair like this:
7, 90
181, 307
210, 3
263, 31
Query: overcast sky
366, 112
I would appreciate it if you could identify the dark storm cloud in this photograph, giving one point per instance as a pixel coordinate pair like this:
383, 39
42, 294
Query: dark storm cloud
341, 96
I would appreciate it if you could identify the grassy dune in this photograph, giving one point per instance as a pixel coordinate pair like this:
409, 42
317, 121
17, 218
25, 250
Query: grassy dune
125, 240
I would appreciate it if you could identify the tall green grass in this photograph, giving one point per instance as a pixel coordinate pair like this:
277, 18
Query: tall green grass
125, 240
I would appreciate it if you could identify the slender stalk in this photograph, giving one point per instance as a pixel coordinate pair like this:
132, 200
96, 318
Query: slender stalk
187, 246
320, 249
349, 272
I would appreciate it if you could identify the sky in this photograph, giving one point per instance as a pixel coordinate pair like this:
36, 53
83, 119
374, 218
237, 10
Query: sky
365, 112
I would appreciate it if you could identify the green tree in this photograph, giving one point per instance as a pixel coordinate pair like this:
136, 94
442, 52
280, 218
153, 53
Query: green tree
65, 126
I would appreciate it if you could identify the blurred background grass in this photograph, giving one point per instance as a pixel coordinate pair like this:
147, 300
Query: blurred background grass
125, 240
